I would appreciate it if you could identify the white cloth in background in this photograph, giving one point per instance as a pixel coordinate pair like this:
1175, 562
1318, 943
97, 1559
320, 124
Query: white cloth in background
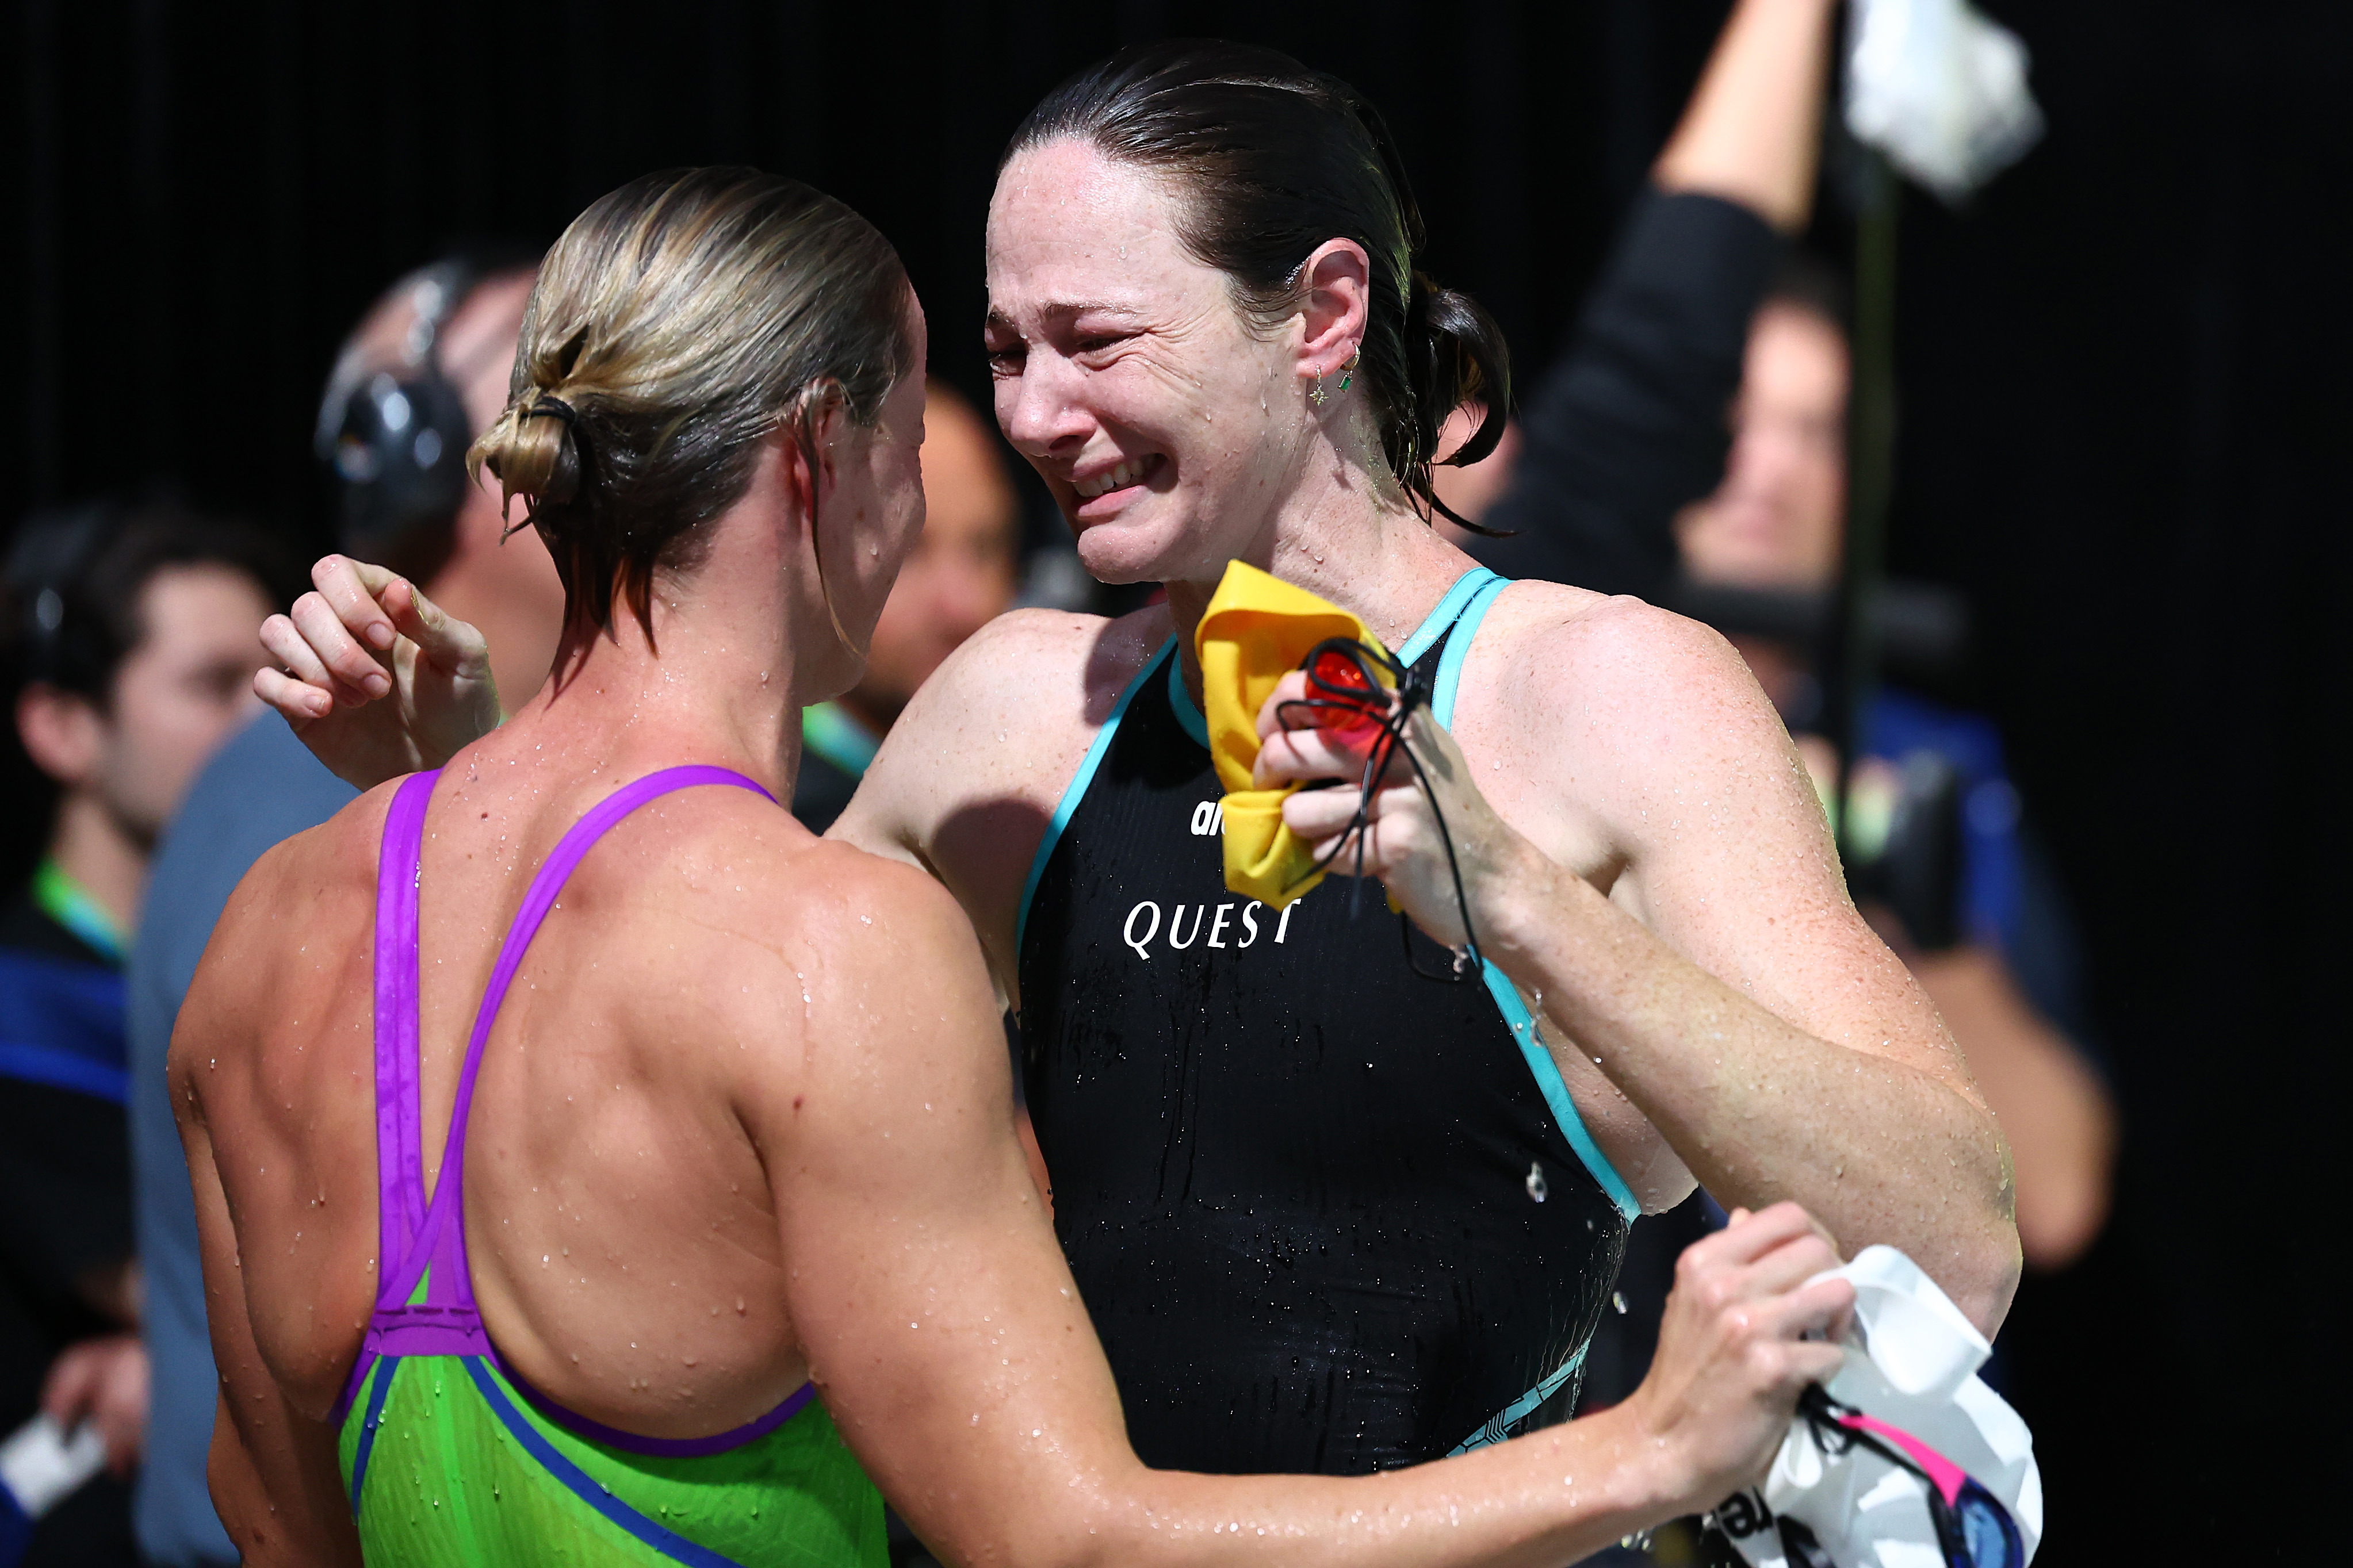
1911, 1360
1941, 90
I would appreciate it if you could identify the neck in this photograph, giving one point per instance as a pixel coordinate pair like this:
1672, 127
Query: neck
1346, 534
514, 600
93, 848
707, 688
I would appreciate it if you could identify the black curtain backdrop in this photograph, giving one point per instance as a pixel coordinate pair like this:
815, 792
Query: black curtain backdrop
2124, 433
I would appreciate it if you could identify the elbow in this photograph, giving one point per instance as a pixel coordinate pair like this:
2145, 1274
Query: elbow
1987, 1275
1986, 1263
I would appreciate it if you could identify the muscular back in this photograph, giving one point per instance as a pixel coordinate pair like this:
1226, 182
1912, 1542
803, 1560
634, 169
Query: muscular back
642, 1079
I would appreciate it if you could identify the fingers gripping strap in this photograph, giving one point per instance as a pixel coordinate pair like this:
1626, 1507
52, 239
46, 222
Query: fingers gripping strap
400, 1177
442, 1241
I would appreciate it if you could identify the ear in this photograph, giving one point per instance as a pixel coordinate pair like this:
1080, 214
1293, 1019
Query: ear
1335, 302
828, 420
62, 733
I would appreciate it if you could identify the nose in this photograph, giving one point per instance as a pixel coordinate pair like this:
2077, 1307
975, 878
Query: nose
1040, 410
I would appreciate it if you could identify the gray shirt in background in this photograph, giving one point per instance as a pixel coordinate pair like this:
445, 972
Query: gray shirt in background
262, 789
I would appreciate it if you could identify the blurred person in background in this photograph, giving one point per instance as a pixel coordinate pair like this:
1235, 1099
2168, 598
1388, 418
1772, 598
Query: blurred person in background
129, 633
425, 371
961, 574
1997, 957
1627, 427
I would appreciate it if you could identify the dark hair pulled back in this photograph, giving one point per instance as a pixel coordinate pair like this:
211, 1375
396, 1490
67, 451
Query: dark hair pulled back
1271, 160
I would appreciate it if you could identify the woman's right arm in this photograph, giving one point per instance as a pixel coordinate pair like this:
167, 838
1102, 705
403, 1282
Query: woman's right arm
948, 1339
374, 677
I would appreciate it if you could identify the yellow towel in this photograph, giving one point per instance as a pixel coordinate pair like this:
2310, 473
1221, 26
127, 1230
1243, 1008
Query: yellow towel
1256, 630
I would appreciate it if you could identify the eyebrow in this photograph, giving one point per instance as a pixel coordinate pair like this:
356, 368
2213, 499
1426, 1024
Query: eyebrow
1064, 310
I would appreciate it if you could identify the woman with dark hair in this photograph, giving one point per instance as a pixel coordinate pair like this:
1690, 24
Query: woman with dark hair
1328, 1214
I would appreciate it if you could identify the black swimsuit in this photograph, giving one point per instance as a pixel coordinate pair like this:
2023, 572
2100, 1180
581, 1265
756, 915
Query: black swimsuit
1327, 1216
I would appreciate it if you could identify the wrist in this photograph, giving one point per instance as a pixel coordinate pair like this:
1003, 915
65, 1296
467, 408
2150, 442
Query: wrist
1517, 899
1653, 1480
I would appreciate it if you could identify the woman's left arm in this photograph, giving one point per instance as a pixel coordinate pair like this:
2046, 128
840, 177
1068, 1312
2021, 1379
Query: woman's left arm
1724, 983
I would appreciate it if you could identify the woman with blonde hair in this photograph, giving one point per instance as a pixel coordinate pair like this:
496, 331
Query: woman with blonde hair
687, 1198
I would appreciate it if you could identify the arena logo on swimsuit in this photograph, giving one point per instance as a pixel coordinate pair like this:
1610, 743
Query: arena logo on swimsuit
1224, 930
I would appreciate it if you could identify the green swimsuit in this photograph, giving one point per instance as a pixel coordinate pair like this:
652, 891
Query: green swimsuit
450, 1457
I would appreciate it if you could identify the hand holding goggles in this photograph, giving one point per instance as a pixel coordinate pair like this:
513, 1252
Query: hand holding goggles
1348, 699
1973, 1529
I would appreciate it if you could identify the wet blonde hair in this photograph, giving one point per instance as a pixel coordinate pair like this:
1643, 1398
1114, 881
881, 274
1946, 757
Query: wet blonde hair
677, 325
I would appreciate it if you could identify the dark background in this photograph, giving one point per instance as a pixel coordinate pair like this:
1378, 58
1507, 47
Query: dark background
2124, 432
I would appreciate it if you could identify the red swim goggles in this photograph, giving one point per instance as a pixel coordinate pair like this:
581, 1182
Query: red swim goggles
1346, 697
1973, 1528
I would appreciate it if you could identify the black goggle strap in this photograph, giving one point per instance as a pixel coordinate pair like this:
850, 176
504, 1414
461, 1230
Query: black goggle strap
1388, 711
1833, 1436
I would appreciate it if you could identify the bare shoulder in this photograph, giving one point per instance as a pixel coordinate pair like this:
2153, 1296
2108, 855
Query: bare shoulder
1546, 638
306, 902
1620, 725
843, 975
1030, 674
1568, 671
970, 775
779, 915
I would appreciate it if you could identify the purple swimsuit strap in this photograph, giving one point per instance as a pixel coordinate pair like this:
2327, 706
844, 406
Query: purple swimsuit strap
415, 1235
399, 1154
441, 1239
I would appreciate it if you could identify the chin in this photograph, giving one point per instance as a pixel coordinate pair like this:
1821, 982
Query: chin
1145, 550
1119, 552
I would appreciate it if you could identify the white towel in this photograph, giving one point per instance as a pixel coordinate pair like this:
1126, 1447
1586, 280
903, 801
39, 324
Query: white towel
1941, 90
1911, 1360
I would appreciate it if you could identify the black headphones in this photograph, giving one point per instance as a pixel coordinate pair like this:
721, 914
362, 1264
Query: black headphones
52, 550
392, 431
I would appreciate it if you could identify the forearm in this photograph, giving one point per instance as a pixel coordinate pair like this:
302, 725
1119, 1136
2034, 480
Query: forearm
1554, 1497
271, 1530
1754, 127
1759, 1109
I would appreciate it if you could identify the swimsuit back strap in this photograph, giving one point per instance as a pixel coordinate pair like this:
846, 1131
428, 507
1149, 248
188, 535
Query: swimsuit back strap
399, 1173
451, 1284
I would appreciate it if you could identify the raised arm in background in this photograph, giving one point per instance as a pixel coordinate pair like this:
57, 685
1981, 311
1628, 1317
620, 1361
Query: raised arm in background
1629, 425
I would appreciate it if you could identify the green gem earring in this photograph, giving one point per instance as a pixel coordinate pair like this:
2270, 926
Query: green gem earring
1349, 371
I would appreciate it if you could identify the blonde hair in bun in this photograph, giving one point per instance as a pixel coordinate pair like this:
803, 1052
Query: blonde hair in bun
678, 323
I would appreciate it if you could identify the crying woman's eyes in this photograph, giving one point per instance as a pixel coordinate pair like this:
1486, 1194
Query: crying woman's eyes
1091, 348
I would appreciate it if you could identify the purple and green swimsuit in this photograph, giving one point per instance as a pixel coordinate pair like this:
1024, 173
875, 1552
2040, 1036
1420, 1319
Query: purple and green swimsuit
449, 1455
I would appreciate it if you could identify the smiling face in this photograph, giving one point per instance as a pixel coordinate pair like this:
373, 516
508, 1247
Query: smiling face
1167, 427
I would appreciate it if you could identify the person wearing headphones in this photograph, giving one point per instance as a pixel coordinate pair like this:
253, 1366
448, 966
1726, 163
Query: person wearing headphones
423, 372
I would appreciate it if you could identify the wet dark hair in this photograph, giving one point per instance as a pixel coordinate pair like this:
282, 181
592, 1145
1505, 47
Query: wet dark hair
1269, 160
